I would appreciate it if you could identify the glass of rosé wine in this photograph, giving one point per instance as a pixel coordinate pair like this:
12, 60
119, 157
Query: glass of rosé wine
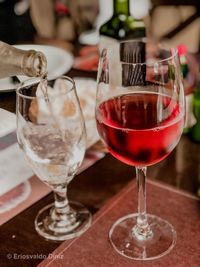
140, 118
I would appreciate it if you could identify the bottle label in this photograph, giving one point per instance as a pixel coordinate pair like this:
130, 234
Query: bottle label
126, 73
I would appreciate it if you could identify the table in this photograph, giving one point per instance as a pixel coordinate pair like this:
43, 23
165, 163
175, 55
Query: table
93, 188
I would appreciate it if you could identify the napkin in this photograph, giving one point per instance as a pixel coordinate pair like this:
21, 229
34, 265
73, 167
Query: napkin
13, 168
93, 248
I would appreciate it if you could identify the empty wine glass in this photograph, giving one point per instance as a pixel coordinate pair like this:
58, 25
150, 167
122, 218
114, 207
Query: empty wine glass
140, 118
51, 132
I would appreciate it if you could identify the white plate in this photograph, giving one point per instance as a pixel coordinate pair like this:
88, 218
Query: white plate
59, 62
89, 37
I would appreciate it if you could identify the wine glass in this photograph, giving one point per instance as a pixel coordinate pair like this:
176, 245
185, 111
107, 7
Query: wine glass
51, 132
140, 118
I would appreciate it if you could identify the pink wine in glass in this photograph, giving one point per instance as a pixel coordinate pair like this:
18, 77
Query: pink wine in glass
140, 129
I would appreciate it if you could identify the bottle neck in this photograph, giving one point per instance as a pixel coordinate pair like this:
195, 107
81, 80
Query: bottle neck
15, 61
34, 63
121, 7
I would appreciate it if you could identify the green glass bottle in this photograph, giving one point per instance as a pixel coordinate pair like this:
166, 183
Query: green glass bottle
121, 26
195, 130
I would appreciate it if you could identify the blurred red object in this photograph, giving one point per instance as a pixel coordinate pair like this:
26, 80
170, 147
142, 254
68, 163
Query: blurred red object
88, 59
60, 8
182, 50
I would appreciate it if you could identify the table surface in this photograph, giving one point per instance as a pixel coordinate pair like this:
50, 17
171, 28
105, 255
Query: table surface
93, 188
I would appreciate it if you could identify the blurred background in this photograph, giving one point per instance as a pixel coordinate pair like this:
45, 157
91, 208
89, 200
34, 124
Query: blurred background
62, 22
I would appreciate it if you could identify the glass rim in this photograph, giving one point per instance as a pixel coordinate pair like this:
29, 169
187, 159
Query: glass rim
35, 80
172, 50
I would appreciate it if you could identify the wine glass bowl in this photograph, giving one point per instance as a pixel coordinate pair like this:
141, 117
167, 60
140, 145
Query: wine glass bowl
51, 133
140, 118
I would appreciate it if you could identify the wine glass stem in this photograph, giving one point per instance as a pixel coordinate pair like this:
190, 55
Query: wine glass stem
62, 218
142, 229
61, 200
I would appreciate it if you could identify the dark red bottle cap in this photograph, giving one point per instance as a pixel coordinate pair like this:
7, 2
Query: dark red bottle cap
182, 50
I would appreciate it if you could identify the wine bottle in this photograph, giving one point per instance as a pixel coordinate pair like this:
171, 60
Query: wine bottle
14, 61
121, 26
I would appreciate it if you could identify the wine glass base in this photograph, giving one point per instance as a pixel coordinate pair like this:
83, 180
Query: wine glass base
51, 229
161, 242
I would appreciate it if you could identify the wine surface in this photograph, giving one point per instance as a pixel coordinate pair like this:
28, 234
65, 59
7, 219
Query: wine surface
140, 129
